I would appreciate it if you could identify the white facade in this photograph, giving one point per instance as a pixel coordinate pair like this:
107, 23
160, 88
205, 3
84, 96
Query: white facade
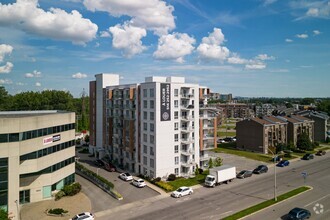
160, 134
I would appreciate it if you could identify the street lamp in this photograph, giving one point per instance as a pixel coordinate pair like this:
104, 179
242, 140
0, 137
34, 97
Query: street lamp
274, 158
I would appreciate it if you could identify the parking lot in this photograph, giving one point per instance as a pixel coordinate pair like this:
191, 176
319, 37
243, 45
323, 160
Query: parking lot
102, 201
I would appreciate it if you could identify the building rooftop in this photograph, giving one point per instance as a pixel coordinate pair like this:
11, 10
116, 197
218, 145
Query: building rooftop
21, 114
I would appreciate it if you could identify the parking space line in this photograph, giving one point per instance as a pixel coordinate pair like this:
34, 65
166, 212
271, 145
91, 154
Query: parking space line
317, 200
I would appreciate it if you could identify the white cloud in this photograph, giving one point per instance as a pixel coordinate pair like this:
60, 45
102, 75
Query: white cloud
302, 36
264, 57
153, 15
20, 84
211, 48
6, 81
255, 66
313, 12
235, 59
104, 34
317, 32
35, 74
79, 76
128, 38
174, 47
288, 40
38, 84
5, 49
311, 9
6, 68
55, 24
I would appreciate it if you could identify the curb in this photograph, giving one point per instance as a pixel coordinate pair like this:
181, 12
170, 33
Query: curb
311, 188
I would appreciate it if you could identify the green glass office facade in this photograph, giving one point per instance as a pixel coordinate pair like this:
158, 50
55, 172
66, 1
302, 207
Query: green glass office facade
4, 183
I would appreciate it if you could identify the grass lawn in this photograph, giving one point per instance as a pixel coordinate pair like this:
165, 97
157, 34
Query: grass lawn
223, 134
228, 126
267, 203
200, 178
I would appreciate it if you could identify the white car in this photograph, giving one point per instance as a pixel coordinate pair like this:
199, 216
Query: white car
139, 183
126, 176
182, 191
83, 216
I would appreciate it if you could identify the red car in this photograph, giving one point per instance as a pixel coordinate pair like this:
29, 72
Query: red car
110, 167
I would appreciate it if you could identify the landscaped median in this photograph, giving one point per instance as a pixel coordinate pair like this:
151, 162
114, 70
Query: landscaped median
267, 203
101, 182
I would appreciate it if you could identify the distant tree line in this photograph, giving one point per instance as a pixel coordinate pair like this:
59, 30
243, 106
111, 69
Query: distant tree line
46, 100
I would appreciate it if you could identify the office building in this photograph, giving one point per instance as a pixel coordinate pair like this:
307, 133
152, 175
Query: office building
37, 150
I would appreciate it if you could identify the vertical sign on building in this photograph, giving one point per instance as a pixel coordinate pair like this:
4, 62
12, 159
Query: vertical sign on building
165, 102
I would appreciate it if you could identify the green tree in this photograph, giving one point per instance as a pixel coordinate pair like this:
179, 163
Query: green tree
218, 162
303, 142
324, 106
307, 101
87, 138
5, 99
210, 163
3, 214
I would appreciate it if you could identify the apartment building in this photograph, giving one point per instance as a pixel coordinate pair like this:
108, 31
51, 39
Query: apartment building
154, 127
261, 134
235, 110
264, 109
321, 123
37, 151
297, 125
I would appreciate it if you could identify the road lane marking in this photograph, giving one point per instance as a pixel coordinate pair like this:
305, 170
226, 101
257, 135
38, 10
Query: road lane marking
317, 200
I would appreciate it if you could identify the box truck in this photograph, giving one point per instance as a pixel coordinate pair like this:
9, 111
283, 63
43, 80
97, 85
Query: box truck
222, 174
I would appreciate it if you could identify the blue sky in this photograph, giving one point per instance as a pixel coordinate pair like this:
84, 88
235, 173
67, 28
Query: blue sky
253, 48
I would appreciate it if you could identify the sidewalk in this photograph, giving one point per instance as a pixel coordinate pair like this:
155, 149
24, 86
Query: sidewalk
74, 204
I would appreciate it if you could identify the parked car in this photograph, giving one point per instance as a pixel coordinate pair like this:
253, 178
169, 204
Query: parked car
110, 167
182, 191
83, 216
99, 163
299, 214
283, 163
260, 169
321, 152
221, 141
126, 176
244, 173
308, 157
277, 158
139, 183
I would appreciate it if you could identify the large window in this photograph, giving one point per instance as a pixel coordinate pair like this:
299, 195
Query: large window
152, 93
24, 196
4, 183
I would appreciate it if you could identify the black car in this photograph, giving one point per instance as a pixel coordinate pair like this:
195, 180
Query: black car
99, 163
260, 169
308, 157
244, 173
299, 214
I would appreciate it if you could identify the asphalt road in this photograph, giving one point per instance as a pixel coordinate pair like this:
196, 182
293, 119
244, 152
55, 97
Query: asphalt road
221, 201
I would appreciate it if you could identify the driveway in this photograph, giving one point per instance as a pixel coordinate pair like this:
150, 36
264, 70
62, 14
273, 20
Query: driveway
126, 189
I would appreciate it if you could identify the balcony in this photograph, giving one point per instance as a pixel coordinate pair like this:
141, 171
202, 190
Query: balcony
187, 107
206, 107
208, 137
187, 140
187, 118
187, 129
208, 146
187, 163
187, 152
208, 126
187, 95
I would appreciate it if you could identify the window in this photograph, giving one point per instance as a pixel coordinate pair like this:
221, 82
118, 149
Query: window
152, 116
152, 93
152, 163
176, 115
145, 137
176, 137
145, 126
152, 104
145, 160
145, 149
176, 103
152, 139
152, 127
145, 115
176, 126
176, 160
145, 93
145, 104
176, 92
176, 171
152, 151
176, 149
24, 196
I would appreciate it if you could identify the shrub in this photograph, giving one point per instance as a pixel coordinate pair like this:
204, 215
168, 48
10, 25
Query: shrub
59, 195
3, 214
171, 177
57, 211
316, 144
164, 185
71, 190
200, 170
327, 140
156, 180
